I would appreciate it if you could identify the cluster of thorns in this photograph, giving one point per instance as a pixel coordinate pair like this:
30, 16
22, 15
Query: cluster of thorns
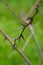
25, 25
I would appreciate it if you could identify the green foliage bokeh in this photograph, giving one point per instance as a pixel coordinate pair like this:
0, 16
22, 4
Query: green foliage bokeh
9, 23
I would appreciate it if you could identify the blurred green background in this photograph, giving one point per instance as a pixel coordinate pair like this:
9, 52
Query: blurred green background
9, 23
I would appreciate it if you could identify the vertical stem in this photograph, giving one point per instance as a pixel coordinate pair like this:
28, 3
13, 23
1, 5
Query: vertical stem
37, 42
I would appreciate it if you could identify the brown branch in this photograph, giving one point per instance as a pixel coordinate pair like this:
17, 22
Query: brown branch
15, 47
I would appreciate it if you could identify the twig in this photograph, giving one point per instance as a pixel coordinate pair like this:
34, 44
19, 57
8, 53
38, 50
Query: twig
25, 25
15, 47
11, 9
37, 42
33, 34
26, 21
28, 39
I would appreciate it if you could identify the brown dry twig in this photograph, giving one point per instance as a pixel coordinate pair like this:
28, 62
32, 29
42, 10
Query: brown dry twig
15, 47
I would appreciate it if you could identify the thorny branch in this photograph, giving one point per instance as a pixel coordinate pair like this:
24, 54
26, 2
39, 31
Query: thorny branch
26, 21
25, 25
32, 31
